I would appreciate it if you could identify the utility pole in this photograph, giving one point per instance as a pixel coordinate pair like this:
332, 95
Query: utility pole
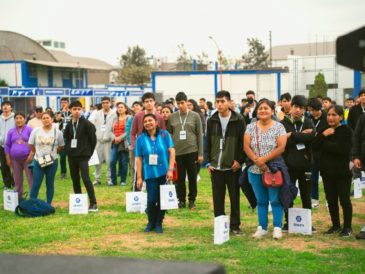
270, 48
219, 55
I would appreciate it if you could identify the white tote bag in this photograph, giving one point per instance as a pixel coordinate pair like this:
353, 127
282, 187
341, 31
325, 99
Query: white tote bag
168, 197
10, 200
78, 204
136, 201
94, 160
357, 188
221, 229
300, 221
362, 179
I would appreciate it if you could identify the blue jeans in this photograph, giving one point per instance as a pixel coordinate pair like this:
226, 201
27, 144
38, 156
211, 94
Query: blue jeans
263, 196
155, 214
122, 158
38, 174
315, 179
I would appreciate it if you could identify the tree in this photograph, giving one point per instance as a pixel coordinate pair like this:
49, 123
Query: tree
202, 61
135, 67
319, 87
256, 58
3, 83
184, 61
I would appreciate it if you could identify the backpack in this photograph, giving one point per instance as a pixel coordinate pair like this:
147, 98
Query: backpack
34, 208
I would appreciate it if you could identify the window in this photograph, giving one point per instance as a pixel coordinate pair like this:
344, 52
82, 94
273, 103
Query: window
62, 45
47, 43
56, 44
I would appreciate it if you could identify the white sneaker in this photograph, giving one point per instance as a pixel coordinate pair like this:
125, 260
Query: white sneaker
315, 203
198, 178
277, 234
259, 233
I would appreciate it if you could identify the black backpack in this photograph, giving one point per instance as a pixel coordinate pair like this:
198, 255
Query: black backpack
34, 208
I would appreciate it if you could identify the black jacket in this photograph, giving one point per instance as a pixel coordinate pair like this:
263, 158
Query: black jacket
298, 159
320, 125
334, 152
86, 139
233, 141
358, 141
354, 115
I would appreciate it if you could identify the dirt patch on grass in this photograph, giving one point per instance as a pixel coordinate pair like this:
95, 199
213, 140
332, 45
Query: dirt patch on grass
108, 213
61, 204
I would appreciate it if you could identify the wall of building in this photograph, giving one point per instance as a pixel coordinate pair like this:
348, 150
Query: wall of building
7, 73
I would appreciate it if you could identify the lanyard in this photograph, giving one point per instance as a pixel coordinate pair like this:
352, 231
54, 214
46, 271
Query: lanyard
363, 109
296, 130
153, 143
183, 123
105, 116
75, 128
317, 123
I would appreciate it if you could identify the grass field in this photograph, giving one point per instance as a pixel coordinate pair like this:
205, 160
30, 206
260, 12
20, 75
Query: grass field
187, 235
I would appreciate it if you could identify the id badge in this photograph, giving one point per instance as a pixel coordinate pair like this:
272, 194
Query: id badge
41, 161
300, 146
64, 125
47, 158
153, 159
221, 143
73, 143
182, 135
103, 128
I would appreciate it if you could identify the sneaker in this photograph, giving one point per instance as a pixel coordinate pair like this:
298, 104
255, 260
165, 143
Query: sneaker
93, 208
198, 178
259, 233
110, 183
236, 231
182, 205
333, 230
63, 176
346, 232
277, 233
149, 228
315, 203
285, 228
314, 230
192, 205
361, 235
123, 184
158, 229
96, 182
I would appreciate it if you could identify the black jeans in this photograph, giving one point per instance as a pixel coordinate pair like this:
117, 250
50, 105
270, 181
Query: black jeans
78, 166
5, 170
338, 189
305, 187
186, 164
219, 181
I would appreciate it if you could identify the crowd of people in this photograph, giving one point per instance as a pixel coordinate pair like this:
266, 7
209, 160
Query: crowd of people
299, 137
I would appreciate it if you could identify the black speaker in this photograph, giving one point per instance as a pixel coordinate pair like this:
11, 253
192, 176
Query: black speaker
32, 264
350, 49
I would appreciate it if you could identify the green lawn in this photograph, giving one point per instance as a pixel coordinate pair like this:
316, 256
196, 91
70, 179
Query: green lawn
187, 236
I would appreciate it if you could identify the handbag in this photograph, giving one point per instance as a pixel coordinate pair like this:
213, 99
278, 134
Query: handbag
47, 159
269, 179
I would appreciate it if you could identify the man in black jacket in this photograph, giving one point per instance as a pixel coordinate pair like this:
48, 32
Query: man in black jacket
224, 150
249, 111
82, 141
300, 131
358, 155
357, 111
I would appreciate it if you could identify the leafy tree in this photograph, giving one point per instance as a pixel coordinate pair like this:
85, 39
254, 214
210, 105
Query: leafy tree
3, 83
256, 58
319, 87
202, 61
135, 67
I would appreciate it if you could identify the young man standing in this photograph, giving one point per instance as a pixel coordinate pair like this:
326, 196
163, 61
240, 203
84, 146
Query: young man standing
104, 120
63, 120
326, 103
185, 128
249, 111
300, 132
37, 120
357, 111
81, 134
285, 106
6, 122
225, 155
148, 101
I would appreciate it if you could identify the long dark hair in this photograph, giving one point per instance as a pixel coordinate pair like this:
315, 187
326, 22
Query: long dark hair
125, 106
195, 106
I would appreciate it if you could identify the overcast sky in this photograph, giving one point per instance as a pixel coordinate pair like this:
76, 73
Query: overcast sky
105, 28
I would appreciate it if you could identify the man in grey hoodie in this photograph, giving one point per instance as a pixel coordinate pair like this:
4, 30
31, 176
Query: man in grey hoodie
104, 121
6, 122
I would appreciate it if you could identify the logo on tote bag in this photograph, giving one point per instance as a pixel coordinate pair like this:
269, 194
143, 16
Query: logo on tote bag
170, 194
136, 198
299, 219
78, 200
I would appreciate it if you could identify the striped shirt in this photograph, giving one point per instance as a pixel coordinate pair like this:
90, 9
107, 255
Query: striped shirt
145, 147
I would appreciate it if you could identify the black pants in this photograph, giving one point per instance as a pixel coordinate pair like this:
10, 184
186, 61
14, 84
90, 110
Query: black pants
305, 187
336, 189
5, 170
78, 166
186, 164
219, 181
